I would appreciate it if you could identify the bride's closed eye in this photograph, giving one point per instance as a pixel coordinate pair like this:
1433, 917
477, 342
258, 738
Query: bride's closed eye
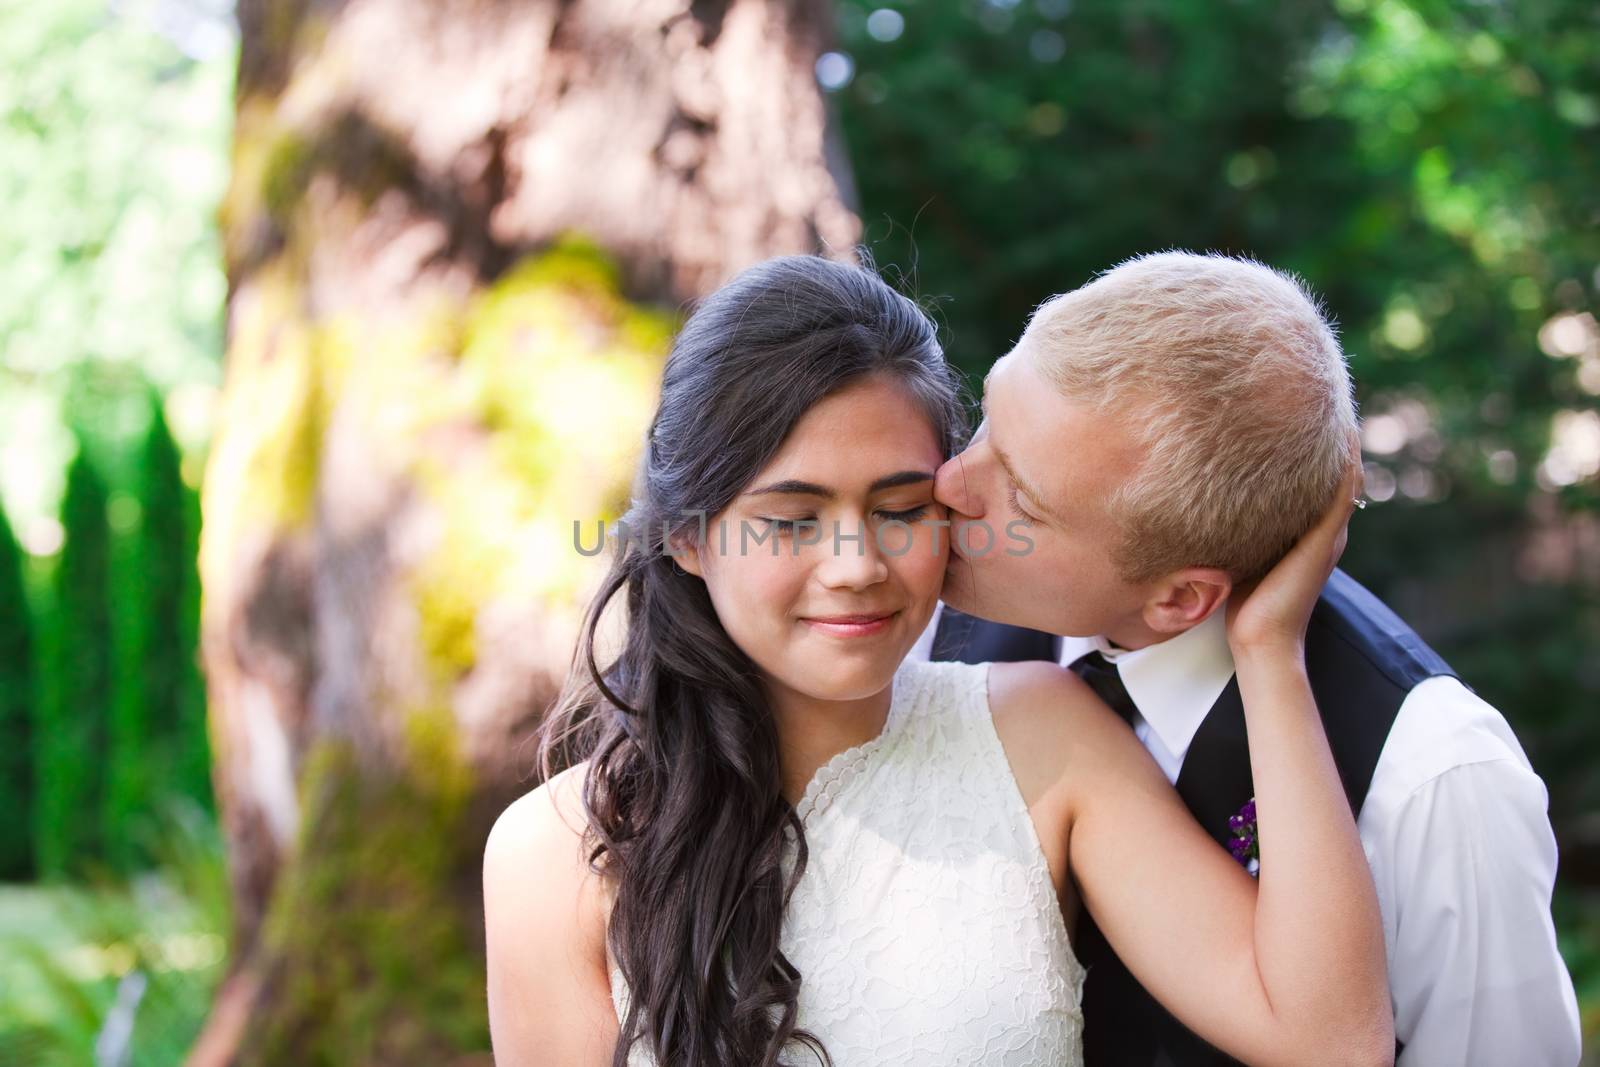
789, 526
785, 526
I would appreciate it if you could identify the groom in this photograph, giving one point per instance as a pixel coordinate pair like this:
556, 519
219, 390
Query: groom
1162, 436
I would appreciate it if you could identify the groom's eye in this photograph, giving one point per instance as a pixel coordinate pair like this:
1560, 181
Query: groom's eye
1016, 504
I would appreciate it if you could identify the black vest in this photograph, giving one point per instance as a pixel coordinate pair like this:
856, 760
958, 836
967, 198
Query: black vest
1362, 661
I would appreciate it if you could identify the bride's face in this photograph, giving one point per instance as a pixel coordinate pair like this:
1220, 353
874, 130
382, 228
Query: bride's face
826, 569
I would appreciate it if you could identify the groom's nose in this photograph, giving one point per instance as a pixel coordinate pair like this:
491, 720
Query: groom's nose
955, 488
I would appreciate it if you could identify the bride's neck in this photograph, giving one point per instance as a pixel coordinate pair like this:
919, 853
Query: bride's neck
811, 731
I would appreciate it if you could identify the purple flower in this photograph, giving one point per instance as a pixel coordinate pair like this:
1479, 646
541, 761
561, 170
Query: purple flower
1243, 845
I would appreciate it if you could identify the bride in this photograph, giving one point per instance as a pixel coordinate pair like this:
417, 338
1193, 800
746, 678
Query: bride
765, 836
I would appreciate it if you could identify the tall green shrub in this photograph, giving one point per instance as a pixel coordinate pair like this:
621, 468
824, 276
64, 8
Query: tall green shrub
74, 706
171, 536
157, 739
135, 633
159, 744
16, 699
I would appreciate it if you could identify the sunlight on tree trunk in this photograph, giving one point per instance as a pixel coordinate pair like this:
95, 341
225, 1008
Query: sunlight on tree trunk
457, 237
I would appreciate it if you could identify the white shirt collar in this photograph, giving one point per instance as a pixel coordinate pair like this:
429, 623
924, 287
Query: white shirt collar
1173, 683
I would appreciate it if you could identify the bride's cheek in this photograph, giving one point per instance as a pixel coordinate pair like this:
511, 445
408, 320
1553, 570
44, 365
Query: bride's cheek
921, 566
772, 584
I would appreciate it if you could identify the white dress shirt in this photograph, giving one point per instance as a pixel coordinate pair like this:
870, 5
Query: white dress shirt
1455, 829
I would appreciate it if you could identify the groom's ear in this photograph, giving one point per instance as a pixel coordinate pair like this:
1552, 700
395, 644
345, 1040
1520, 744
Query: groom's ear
1186, 598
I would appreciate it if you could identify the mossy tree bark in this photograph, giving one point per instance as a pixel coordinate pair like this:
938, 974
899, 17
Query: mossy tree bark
451, 231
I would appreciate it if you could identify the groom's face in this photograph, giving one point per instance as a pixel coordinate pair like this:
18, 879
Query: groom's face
1040, 468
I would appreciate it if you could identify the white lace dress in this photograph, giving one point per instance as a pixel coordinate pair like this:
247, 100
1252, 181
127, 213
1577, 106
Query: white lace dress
925, 928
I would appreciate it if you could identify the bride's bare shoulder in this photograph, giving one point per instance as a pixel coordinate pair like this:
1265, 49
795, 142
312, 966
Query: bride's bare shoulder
536, 869
542, 832
544, 919
1050, 723
1039, 693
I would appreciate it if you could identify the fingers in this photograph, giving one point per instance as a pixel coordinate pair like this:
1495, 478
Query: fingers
1357, 470
1328, 537
1344, 504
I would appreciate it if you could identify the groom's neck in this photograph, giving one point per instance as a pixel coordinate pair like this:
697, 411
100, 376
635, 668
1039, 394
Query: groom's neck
1133, 637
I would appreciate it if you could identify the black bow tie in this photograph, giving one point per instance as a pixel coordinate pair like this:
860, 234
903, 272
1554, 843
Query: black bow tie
1102, 677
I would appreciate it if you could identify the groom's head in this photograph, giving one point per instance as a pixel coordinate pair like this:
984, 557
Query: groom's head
1168, 429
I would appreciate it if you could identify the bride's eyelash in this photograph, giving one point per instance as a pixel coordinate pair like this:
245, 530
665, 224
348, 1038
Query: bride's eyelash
789, 526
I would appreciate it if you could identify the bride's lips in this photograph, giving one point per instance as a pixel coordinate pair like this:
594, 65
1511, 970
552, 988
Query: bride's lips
851, 625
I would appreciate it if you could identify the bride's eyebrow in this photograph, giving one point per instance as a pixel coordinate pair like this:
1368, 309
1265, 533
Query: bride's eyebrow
796, 487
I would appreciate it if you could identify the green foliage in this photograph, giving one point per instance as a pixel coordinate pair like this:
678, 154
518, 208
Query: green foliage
110, 149
65, 950
74, 704
1428, 167
157, 738
170, 530
126, 763
1577, 914
16, 702
113, 155
112, 144
1007, 151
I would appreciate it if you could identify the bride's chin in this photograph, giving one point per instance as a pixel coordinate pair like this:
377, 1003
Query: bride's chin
845, 677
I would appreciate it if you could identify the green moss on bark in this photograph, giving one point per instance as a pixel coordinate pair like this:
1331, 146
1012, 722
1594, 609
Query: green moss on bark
559, 370
374, 959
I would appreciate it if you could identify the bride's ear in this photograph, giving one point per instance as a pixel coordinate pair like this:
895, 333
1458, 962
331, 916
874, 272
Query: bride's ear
1186, 598
686, 555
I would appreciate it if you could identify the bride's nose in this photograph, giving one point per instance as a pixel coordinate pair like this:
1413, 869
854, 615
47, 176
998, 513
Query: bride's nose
852, 560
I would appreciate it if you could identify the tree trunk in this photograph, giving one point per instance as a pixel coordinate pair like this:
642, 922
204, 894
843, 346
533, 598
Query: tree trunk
449, 232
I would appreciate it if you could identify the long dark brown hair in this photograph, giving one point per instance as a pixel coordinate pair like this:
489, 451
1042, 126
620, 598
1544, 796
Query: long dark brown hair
686, 819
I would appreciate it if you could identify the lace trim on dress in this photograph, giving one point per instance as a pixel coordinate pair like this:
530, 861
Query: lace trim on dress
844, 767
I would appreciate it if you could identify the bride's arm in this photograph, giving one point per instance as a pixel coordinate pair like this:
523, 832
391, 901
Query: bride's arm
1316, 904
1288, 970
548, 989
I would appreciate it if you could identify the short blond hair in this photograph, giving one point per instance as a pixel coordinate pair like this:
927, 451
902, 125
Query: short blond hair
1237, 386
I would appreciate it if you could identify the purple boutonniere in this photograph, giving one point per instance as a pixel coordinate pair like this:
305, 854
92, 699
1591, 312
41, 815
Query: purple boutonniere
1243, 845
